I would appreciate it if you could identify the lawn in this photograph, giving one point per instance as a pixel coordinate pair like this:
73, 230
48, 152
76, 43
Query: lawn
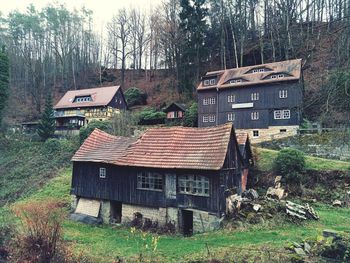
105, 243
267, 156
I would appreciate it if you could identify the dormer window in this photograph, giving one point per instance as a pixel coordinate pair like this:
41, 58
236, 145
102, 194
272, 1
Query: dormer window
209, 82
82, 99
235, 81
277, 76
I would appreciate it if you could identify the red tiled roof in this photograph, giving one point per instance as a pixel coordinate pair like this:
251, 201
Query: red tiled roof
102, 147
292, 68
180, 147
100, 97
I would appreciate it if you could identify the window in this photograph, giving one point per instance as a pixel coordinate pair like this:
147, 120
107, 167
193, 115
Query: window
207, 101
194, 184
261, 70
205, 118
206, 82
149, 181
255, 133
283, 94
279, 76
211, 118
255, 96
102, 173
281, 114
254, 115
83, 99
230, 116
234, 81
212, 82
231, 98
212, 100
283, 130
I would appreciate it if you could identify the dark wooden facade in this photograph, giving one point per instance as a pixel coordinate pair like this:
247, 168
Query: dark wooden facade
268, 102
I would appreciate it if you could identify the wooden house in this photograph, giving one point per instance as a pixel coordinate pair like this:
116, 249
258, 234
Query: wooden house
173, 174
266, 100
175, 112
77, 107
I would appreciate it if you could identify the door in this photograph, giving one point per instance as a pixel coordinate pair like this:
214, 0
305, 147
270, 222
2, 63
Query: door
187, 222
116, 212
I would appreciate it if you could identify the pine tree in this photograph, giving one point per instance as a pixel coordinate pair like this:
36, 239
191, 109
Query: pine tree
46, 127
4, 81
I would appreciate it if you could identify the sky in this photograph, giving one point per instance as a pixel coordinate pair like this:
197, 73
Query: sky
103, 10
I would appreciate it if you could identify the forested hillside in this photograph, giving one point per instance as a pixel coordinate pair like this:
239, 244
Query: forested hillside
165, 50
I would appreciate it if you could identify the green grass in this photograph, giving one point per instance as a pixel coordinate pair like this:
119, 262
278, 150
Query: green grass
104, 243
267, 156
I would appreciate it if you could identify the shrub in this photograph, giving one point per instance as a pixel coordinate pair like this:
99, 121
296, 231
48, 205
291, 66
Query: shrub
40, 239
135, 96
290, 163
150, 116
87, 130
191, 116
123, 124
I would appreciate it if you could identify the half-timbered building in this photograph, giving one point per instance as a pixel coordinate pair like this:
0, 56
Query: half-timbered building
265, 100
173, 174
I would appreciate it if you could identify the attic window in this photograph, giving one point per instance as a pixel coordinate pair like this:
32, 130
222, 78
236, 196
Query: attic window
208, 82
277, 76
82, 99
234, 81
258, 70
102, 173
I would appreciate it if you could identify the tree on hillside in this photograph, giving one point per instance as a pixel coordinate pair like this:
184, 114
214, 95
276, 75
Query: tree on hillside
191, 116
46, 127
4, 81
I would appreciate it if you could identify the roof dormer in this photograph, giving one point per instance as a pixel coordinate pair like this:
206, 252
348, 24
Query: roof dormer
258, 70
277, 75
209, 81
235, 81
80, 99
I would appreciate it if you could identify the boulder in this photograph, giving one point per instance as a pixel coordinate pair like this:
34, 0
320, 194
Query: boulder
250, 194
337, 203
256, 207
86, 219
276, 193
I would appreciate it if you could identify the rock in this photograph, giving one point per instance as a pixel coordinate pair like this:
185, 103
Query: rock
300, 251
337, 203
276, 193
330, 233
256, 207
295, 244
250, 194
278, 179
307, 247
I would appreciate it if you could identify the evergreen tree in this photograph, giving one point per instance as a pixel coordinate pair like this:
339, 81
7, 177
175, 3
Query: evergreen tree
4, 81
47, 123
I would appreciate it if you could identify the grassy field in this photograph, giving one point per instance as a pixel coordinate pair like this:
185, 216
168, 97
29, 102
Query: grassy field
105, 243
267, 156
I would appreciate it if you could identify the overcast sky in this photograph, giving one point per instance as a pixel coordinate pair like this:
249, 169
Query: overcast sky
103, 9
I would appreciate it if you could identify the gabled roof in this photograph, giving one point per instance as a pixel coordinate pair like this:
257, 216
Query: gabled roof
175, 104
102, 147
292, 69
180, 148
100, 97
166, 147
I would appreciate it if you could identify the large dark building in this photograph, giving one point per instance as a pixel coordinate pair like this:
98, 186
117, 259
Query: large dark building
178, 174
264, 99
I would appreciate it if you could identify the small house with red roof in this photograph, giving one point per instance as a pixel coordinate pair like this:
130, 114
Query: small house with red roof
171, 174
77, 107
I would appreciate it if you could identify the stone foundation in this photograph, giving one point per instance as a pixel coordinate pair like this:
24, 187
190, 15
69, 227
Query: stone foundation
155, 214
272, 133
203, 221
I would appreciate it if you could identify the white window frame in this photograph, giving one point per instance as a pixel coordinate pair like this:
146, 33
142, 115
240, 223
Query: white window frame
273, 76
212, 81
231, 116
194, 185
205, 118
283, 94
261, 70
254, 96
255, 136
212, 100
212, 118
103, 173
286, 114
255, 70
150, 181
254, 115
280, 75
206, 101
206, 82
231, 98
281, 114
235, 81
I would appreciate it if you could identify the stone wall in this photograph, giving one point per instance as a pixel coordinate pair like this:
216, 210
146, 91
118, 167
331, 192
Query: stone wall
155, 214
272, 133
203, 221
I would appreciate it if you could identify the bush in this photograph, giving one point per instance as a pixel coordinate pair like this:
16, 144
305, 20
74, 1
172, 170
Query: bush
135, 96
290, 164
40, 239
150, 116
123, 124
191, 116
87, 130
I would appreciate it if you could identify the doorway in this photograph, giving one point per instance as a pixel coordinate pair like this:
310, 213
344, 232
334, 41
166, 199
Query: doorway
116, 212
187, 222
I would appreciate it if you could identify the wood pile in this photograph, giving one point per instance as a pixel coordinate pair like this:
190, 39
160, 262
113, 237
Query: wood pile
300, 211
